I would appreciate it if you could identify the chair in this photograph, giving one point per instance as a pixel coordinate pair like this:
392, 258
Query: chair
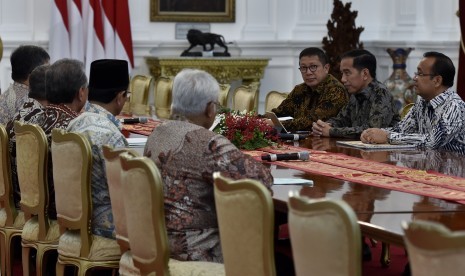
11, 219
72, 165
39, 232
224, 94
245, 97
433, 249
246, 219
143, 189
325, 237
406, 109
140, 87
163, 97
274, 99
113, 173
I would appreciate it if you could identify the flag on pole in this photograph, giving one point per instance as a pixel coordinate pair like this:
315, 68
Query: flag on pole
461, 69
91, 29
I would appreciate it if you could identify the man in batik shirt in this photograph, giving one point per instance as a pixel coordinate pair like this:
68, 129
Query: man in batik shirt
436, 121
320, 96
28, 113
108, 83
187, 153
66, 92
370, 103
23, 60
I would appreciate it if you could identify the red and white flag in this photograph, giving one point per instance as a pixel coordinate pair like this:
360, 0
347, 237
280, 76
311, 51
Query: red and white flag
88, 30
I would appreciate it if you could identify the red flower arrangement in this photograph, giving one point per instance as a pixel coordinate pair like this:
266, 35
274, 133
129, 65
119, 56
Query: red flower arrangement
246, 130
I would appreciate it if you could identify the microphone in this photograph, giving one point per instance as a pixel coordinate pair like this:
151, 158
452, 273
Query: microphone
303, 155
134, 120
291, 136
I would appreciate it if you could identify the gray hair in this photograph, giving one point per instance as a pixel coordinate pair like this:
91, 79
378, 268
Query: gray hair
63, 79
193, 89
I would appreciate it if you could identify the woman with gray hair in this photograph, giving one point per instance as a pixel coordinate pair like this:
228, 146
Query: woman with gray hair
187, 153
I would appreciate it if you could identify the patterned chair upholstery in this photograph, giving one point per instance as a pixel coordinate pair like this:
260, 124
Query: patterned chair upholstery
113, 172
274, 99
140, 89
224, 94
406, 109
162, 97
433, 249
11, 219
143, 189
325, 237
39, 232
72, 166
246, 219
245, 97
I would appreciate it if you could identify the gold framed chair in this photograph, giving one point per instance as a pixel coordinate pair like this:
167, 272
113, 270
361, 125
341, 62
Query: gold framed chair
143, 189
72, 166
39, 232
224, 94
274, 99
11, 219
433, 249
246, 219
245, 97
406, 109
140, 88
325, 237
113, 173
162, 97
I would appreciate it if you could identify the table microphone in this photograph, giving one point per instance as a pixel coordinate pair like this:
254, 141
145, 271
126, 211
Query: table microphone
134, 120
303, 155
292, 136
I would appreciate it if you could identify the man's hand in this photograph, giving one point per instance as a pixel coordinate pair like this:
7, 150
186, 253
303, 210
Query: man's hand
320, 128
374, 136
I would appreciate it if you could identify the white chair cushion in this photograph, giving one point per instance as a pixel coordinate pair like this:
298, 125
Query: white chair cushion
18, 223
126, 265
178, 268
102, 249
31, 230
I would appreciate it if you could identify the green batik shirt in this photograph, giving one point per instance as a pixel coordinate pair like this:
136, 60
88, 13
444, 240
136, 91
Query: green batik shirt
307, 105
373, 106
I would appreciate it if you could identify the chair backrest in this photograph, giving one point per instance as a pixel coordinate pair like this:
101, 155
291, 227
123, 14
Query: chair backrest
162, 97
143, 199
274, 99
113, 173
406, 109
224, 94
325, 237
31, 164
245, 97
6, 186
140, 88
72, 166
433, 249
245, 218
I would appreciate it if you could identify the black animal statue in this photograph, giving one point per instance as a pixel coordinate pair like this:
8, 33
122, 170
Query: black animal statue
196, 37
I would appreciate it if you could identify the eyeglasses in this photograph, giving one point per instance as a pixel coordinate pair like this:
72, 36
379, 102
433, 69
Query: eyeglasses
417, 74
312, 68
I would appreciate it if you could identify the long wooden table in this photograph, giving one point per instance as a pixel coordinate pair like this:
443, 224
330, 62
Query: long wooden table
380, 211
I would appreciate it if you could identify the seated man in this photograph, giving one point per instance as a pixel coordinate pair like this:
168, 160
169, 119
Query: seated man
187, 153
370, 103
108, 83
436, 120
23, 60
321, 96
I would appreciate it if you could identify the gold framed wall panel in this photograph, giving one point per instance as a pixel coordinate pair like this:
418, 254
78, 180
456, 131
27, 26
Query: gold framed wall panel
192, 10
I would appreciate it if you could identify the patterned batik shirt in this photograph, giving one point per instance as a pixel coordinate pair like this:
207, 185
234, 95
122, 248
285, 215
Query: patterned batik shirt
187, 155
373, 106
435, 124
307, 105
100, 127
12, 100
29, 113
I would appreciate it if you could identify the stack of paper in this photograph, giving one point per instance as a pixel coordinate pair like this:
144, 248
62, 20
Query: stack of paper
137, 142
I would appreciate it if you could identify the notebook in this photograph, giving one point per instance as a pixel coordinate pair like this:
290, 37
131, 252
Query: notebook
137, 142
361, 145
277, 121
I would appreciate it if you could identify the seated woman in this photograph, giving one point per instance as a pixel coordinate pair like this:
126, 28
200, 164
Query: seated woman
187, 153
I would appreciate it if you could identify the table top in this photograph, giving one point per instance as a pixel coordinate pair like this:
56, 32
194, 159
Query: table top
380, 211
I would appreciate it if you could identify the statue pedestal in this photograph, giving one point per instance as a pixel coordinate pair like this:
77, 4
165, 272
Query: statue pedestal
205, 54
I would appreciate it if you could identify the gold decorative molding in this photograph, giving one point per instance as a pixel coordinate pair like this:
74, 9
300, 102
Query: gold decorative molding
225, 70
